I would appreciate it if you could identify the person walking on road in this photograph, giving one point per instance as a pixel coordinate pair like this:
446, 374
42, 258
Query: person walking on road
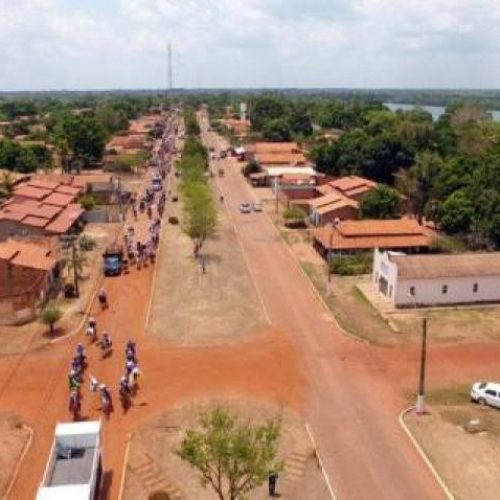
272, 480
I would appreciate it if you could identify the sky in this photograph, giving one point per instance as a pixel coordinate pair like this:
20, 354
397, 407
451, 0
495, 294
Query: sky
103, 44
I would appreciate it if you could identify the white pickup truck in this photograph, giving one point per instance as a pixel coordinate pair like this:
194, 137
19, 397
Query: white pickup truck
74, 468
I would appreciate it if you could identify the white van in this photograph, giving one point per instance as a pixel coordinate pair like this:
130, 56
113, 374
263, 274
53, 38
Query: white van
257, 206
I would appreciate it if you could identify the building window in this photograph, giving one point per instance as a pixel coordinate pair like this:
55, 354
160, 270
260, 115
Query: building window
444, 289
475, 288
412, 291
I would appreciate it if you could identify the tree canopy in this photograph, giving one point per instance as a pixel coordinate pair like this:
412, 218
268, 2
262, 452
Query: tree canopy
231, 456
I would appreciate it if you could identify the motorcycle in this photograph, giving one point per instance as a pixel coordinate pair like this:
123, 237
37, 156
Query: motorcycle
75, 404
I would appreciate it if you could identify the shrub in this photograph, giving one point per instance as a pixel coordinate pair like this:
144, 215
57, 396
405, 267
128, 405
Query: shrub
351, 265
87, 244
88, 202
175, 199
50, 315
159, 495
173, 220
119, 167
294, 216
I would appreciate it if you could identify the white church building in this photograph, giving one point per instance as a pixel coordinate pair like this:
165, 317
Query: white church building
437, 280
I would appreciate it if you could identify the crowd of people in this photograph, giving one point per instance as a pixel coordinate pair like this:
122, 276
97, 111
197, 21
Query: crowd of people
138, 252
127, 385
141, 252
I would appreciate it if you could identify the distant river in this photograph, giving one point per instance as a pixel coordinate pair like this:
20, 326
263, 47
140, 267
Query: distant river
435, 111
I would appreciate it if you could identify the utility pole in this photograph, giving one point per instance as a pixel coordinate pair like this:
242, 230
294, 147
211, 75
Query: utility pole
420, 406
276, 189
75, 267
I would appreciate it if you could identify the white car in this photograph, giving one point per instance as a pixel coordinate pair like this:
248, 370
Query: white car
486, 393
245, 208
257, 206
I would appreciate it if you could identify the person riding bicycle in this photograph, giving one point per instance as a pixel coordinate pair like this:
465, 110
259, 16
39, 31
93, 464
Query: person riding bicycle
80, 351
92, 323
105, 393
130, 346
106, 340
124, 387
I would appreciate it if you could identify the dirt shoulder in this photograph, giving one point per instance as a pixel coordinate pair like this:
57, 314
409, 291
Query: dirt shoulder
192, 308
467, 462
153, 465
13, 438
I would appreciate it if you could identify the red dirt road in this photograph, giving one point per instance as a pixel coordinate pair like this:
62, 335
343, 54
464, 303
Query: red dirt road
350, 393
36, 387
355, 391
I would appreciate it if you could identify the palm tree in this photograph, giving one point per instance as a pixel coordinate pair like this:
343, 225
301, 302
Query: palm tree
6, 184
76, 264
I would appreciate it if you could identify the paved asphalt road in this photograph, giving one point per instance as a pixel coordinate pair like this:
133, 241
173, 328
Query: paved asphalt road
353, 406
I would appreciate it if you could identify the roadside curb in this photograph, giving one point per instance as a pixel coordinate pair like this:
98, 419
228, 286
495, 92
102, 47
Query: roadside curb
124, 466
20, 460
422, 453
332, 494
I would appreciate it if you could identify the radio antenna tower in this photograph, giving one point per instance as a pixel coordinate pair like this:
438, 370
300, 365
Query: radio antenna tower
169, 68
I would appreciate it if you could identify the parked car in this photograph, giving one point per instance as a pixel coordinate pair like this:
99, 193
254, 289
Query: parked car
486, 393
245, 208
257, 206
113, 261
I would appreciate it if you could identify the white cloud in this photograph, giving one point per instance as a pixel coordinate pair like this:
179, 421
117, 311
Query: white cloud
122, 43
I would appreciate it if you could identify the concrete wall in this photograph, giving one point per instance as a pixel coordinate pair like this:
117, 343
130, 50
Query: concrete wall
10, 228
430, 292
458, 291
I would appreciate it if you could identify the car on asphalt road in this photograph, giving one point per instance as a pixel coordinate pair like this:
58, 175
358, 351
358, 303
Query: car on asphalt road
257, 206
245, 208
486, 393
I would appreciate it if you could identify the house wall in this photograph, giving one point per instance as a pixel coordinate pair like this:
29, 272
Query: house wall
343, 213
384, 274
459, 291
10, 228
429, 292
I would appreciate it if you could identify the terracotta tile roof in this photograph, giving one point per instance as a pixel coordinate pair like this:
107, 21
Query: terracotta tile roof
353, 185
14, 216
276, 147
380, 227
447, 266
324, 189
333, 198
37, 210
44, 184
65, 219
72, 190
31, 220
27, 255
31, 192
281, 158
59, 199
367, 234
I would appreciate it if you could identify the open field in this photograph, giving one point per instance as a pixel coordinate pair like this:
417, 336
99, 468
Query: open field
153, 464
468, 462
13, 438
185, 298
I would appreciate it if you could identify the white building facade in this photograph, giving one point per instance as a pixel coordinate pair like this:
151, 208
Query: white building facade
437, 280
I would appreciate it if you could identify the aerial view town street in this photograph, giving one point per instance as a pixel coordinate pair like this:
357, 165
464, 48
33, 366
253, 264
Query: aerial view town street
248, 251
